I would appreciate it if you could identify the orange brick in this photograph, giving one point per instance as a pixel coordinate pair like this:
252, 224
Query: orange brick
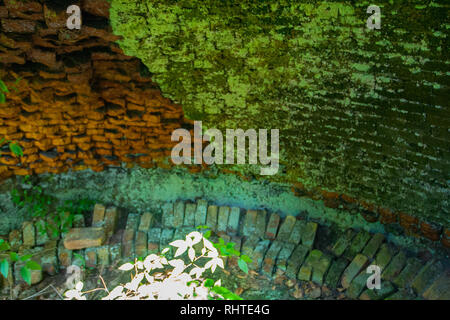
81, 238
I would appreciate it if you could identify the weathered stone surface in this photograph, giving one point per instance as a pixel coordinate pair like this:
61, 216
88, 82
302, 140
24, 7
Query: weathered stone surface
222, 222
336, 270
3, 12
309, 234
189, 214
306, 270
305, 273
146, 222
384, 256
128, 237
111, 220
96, 7
272, 226
15, 239
178, 214
99, 215
286, 228
28, 234
41, 233
178, 234
440, 288
132, 221
248, 227
358, 285
248, 245
103, 258
78, 221
153, 238
128, 245
260, 227
320, 269
373, 245
211, 218
48, 257
394, 268
296, 234
201, 212
90, 256
296, 260
378, 294
411, 269
284, 256
80, 238
358, 243
167, 215
64, 255
141, 244
166, 238
233, 261
355, 267
270, 258
426, 276
115, 251
233, 221
258, 254
18, 26
343, 242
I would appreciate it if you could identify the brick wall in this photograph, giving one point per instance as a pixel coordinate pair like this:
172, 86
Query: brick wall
361, 113
76, 101
370, 124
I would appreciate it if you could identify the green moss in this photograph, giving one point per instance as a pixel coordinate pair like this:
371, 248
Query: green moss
313, 70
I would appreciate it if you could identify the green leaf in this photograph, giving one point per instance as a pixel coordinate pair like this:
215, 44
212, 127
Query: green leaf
230, 245
220, 290
4, 268
26, 274
33, 265
207, 234
246, 258
13, 256
4, 245
3, 87
25, 257
2, 98
209, 283
16, 149
243, 265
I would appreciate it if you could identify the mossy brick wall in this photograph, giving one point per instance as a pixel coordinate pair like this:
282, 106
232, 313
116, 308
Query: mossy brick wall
76, 101
362, 113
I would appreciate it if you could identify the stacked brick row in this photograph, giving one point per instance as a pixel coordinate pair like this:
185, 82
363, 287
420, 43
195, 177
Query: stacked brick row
277, 246
75, 100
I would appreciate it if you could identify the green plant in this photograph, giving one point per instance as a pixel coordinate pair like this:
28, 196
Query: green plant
158, 278
25, 271
228, 250
15, 148
3, 90
53, 218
